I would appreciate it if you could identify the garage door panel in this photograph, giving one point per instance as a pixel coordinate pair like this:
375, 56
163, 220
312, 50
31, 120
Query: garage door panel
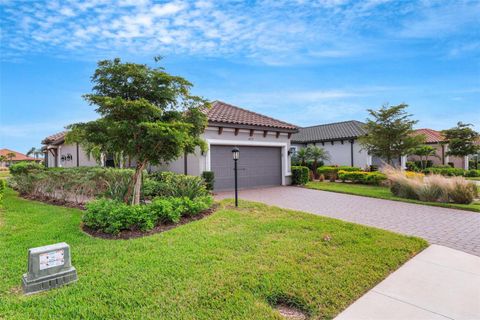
258, 166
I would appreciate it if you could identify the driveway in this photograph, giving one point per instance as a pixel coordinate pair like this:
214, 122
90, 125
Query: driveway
452, 228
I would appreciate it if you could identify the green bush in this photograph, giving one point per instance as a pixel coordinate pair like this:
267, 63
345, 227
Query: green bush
209, 178
77, 185
170, 184
300, 175
412, 166
331, 172
373, 178
445, 171
472, 173
463, 193
3, 185
25, 167
113, 216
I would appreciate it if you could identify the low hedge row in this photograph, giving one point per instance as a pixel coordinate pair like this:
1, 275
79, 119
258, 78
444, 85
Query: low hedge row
3, 185
330, 172
452, 172
111, 216
300, 175
373, 178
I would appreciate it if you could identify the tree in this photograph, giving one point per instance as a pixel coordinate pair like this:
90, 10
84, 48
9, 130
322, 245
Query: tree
317, 154
390, 133
302, 156
146, 115
10, 157
35, 152
462, 140
423, 152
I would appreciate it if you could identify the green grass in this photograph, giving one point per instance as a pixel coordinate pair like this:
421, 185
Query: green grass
230, 265
382, 193
473, 178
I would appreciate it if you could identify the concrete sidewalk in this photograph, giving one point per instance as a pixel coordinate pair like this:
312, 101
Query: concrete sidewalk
438, 283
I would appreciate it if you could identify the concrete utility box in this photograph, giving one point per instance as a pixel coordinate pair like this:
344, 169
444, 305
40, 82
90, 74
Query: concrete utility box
48, 267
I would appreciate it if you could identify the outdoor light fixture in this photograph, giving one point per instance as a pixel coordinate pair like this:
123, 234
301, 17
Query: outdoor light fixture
291, 150
236, 156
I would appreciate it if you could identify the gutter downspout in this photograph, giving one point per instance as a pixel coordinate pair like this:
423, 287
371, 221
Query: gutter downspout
78, 157
351, 151
185, 163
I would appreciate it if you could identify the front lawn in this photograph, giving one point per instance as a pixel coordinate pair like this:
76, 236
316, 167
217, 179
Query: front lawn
382, 193
231, 265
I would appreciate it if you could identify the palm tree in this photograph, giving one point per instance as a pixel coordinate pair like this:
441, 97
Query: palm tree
423, 152
317, 154
302, 156
35, 152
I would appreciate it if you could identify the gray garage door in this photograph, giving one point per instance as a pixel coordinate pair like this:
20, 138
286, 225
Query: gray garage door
257, 166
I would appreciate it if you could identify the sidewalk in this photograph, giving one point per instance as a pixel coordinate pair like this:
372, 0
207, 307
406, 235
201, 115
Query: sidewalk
438, 283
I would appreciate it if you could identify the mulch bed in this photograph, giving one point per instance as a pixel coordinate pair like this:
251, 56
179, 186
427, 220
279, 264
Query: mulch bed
131, 234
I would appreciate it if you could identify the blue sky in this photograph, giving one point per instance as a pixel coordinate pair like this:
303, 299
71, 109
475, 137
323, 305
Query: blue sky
305, 62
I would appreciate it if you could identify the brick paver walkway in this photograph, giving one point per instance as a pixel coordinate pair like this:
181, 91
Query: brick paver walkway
456, 229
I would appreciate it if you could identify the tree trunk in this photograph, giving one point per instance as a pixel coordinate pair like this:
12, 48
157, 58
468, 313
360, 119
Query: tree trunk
136, 185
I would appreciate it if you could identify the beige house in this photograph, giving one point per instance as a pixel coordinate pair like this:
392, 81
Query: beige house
435, 139
264, 145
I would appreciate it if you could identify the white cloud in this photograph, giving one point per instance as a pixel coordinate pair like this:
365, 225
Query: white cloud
270, 32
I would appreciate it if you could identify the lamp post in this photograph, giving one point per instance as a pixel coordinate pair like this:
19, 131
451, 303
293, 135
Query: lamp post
236, 155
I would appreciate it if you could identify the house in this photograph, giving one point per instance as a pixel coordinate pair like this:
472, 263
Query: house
436, 140
11, 156
264, 145
339, 139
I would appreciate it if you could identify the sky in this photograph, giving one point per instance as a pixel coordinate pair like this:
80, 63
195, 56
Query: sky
304, 62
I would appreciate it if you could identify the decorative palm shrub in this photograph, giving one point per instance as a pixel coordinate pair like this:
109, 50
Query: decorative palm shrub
432, 188
170, 184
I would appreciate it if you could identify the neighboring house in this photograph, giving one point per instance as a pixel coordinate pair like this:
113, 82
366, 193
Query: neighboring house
17, 157
264, 145
59, 154
340, 139
435, 139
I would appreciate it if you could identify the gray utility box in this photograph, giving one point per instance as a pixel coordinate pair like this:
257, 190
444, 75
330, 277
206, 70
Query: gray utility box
48, 267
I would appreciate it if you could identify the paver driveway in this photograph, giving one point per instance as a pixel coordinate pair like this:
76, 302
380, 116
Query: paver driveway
456, 229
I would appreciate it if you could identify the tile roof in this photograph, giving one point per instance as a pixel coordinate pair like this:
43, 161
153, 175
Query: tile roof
222, 112
330, 131
431, 136
55, 138
18, 156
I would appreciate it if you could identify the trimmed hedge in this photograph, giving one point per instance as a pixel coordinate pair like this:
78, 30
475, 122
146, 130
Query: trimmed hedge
452, 172
300, 175
209, 178
111, 216
331, 172
373, 178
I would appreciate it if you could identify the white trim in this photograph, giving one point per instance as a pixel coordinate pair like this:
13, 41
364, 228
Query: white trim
285, 168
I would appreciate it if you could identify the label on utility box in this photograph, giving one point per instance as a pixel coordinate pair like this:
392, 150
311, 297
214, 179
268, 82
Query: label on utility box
51, 259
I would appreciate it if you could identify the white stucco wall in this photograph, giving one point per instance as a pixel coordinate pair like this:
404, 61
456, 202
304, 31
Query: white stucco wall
340, 154
71, 149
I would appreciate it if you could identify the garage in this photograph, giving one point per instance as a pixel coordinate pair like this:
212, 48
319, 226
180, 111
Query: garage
258, 166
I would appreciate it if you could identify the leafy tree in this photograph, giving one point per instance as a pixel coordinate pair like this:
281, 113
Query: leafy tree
390, 133
10, 157
317, 154
423, 152
462, 140
3, 158
146, 115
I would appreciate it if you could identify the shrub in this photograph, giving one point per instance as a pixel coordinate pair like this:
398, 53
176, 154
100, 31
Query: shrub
412, 166
472, 173
3, 185
434, 187
447, 171
113, 216
364, 177
331, 172
77, 185
209, 178
25, 167
170, 184
300, 175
